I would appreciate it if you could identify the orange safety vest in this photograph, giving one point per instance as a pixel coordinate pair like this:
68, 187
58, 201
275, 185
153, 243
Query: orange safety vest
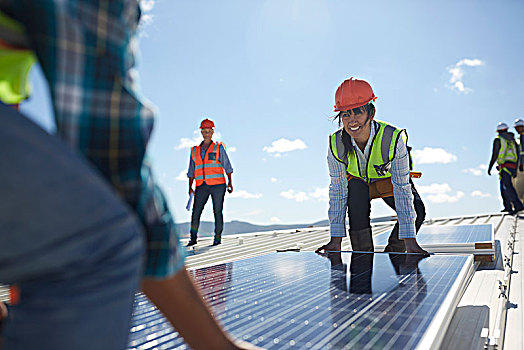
210, 170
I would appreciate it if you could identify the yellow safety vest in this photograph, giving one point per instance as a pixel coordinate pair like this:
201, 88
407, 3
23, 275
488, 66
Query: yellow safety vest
16, 60
382, 152
508, 155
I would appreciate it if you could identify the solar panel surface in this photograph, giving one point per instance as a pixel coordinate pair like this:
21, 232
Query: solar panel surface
432, 235
303, 300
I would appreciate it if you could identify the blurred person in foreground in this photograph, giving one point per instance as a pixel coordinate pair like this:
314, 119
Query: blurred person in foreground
83, 224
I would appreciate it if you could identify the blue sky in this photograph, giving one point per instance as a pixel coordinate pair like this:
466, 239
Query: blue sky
266, 73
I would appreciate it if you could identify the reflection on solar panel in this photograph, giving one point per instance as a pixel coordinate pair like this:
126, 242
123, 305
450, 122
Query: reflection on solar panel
303, 300
467, 239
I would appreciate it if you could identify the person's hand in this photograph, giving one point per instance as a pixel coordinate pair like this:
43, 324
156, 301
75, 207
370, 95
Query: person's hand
3, 311
191, 191
335, 244
413, 247
230, 187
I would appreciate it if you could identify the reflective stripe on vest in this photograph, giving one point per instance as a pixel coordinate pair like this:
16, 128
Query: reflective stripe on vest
16, 60
508, 156
208, 170
382, 151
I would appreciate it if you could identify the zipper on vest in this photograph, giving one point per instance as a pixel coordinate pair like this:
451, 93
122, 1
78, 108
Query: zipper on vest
371, 151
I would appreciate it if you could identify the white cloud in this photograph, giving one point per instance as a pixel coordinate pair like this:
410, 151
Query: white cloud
430, 155
244, 194
284, 145
274, 179
274, 219
298, 196
146, 18
439, 193
182, 176
322, 194
478, 193
231, 149
476, 171
457, 73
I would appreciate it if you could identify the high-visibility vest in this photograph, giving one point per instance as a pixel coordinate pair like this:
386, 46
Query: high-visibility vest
382, 152
508, 157
209, 170
16, 60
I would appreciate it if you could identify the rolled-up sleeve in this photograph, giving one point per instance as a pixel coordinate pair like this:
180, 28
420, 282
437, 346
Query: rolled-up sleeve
338, 196
402, 192
224, 160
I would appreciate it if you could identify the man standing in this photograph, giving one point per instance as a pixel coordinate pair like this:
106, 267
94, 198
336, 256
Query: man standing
207, 164
505, 153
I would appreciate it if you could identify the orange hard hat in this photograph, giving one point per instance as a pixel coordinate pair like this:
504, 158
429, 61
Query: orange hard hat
353, 93
207, 123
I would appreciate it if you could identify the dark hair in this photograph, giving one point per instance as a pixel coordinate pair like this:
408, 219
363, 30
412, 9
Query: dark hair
369, 107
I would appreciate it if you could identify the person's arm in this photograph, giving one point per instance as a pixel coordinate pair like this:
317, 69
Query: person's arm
494, 154
183, 305
521, 153
338, 199
191, 173
404, 199
226, 164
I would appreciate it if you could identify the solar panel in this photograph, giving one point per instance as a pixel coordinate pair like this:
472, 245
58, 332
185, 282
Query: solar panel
308, 301
465, 239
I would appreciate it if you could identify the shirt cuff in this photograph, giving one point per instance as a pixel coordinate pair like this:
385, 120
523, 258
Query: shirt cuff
337, 230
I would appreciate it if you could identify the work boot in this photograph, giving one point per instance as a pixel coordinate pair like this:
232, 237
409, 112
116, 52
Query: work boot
191, 243
217, 240
361, 240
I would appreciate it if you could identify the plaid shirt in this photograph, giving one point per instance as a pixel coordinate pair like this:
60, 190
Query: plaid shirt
85, 48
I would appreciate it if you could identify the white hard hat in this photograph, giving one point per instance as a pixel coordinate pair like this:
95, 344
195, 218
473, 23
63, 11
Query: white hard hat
519, 122
502, 126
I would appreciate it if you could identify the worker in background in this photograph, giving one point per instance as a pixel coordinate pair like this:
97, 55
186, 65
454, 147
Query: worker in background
518, 181
519, 127
368, 159
207, 163
80, 239
16, 61
505, 153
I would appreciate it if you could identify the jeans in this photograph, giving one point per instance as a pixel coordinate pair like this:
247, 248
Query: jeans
72, 247
510, 199
359, 211
202, 193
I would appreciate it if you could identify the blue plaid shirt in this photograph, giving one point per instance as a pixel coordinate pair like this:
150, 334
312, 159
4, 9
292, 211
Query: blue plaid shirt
85, 49
338, 190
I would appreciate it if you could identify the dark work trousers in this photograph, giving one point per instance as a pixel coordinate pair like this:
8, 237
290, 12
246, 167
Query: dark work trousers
359, 211
202, 193
510, 199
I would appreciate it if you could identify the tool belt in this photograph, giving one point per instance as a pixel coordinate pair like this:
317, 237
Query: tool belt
377, 189
509, 165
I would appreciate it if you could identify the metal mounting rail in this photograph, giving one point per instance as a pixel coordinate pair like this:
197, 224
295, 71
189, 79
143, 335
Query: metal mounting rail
495, 339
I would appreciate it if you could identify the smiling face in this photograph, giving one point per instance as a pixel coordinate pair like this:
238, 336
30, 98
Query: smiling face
207, 134
357, 125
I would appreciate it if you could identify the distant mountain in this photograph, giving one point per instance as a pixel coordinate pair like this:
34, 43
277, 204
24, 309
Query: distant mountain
207, 228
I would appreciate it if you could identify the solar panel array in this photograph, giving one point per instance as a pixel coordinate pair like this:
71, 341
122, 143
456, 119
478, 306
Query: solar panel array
304, 300
433, 235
